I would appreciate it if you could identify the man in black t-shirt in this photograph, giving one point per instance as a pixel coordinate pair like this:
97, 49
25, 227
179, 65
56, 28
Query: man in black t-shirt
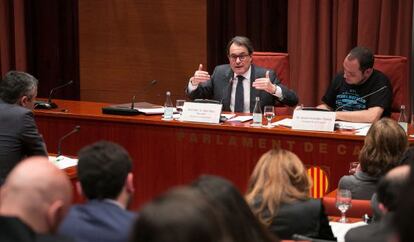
359, 93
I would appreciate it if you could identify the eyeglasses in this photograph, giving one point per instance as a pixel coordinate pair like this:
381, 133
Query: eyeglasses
241, 57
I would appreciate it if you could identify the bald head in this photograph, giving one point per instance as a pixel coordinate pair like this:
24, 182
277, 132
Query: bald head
38, 193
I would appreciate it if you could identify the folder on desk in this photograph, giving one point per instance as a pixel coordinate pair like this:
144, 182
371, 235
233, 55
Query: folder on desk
130, 110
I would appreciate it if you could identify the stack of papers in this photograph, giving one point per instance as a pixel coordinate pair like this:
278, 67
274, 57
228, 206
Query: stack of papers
340, 229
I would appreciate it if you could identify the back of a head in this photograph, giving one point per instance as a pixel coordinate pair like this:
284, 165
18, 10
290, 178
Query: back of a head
279, 177
16, 84
364, 56
238, 217
181, 214
390, 186
102, 169
31, 188
384, 146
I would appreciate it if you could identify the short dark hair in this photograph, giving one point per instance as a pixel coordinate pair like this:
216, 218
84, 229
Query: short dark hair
364, 56
240, 41
16, 84
102, 169
181, 214
389, 189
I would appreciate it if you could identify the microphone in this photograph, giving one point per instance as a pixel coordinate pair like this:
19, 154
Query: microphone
49, 104
130, 108
74, 130
356, 100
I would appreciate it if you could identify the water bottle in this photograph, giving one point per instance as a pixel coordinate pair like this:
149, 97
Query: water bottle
168, 107
402, 120
257, 114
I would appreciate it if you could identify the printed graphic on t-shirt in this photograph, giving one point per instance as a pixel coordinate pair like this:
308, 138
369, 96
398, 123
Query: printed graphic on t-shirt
350, 101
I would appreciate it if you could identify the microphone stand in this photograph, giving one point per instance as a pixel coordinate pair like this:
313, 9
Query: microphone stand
75, 130
49, 104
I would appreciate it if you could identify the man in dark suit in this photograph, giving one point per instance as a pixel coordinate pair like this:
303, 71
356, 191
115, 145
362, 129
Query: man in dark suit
388, 193
236, 85
34, 199
18, 132
104, 173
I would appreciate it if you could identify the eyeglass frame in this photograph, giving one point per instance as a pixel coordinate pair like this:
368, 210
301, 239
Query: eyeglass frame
241, 57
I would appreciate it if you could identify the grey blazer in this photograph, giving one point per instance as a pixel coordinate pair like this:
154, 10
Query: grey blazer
19, 137
218, 88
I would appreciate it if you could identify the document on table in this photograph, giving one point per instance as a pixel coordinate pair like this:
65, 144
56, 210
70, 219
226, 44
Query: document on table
241, 118
287, 122
340, 229
63, 162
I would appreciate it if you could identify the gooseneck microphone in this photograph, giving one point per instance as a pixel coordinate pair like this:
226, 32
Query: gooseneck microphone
356, 100
130, 109
49, 104
225, 93
74, 130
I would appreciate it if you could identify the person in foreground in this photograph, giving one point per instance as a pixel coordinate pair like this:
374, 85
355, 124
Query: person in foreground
279, 195
19, 136
106, 180
181, 214
34, 199
388, 194
361, 93
236, 85
384, 146
227, 200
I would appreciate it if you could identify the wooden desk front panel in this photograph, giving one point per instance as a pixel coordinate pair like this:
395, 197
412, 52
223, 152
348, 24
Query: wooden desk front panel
171, 153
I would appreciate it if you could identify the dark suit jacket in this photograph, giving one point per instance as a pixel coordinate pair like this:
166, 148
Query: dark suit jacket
97, 220
18, 137
378, 231
13, 229
218, 88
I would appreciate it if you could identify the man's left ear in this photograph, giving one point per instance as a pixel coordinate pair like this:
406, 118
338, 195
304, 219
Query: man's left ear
23, 101
368, 72
55, 214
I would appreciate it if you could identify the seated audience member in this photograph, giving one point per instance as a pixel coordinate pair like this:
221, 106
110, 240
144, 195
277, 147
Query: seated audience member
19, 136
360, 93
237, 84
404, 213
227, 200
384, 146
34, 199
389, 192
106, 180
182, 214
278, 193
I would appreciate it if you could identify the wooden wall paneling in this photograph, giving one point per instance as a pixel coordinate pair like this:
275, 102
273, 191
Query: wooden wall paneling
124, 44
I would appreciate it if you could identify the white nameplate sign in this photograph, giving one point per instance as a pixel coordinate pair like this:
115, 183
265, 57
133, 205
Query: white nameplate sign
313, 120
201, 112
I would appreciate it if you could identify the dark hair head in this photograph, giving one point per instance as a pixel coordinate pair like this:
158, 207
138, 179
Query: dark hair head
384, 146
17, 84
240, 41
181, 214
102, 169
227, 200
390, 186
364, 56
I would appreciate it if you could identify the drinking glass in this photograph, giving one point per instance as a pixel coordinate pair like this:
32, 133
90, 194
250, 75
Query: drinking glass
179, 106
343, 203
269, 113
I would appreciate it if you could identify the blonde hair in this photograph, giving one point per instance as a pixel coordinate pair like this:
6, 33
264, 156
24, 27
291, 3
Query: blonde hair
384, 146
279, 177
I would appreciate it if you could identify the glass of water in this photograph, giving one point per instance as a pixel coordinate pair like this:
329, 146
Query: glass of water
179, 106
343, 203
269, 113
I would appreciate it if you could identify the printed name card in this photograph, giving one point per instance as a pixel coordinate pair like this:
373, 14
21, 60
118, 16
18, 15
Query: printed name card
201, 112
313, 120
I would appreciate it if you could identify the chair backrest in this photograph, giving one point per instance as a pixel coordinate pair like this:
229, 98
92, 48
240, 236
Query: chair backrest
358, 208
396, 69
279, 63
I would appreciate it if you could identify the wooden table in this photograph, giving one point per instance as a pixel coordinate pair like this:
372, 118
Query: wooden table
168, 153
